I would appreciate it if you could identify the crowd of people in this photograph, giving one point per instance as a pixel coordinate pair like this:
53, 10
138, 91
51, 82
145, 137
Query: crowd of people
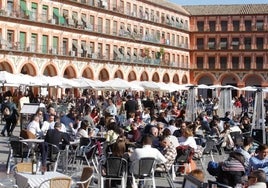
154, 123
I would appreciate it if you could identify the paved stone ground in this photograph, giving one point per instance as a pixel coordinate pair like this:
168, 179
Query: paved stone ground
7, 180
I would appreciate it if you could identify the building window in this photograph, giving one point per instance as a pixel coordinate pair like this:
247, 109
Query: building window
235, 43
223, 43
200, 26
235, 62
55, 44
247, 42
211, 43
259, 25
223, 62
107, 51
92, 22
33, 15
10, 7
128, 9
211, 62
100, 25
99, 52
200, 62
114, 27
135, 9
64, 46
259, 43
108, 26
10, 39
247, 63
45, 13
248, 25
259, 63
200, 43
212, 25
236, 25
44, 44
22, 44
33, 45
224, 25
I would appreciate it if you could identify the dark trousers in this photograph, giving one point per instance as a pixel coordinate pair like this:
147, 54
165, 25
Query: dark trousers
10, 126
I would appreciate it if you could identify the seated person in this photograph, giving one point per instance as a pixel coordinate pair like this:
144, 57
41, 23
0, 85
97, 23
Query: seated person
232, 170
83, 130
34, 127
187, 139
145, 151
198, 174
169, 151
55, 137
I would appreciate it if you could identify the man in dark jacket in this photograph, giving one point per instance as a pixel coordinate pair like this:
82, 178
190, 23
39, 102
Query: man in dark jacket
11, 115
55, 137
131, 106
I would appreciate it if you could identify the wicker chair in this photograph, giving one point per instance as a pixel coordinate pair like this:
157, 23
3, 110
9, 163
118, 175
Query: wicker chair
23, 167
60, 182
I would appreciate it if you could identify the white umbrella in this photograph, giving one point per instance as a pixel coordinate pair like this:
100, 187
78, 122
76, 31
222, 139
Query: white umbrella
150, 85
85, 82
8, 78
49, 81
65, 83
248, 88
118, 84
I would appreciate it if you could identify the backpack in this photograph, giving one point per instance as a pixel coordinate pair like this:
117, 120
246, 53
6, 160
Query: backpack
214, 168
6, 111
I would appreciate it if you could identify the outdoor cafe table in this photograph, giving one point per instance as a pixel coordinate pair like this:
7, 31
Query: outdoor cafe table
29, 180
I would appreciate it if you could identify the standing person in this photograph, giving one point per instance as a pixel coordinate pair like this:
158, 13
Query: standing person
111, 109
11, 115
131, 106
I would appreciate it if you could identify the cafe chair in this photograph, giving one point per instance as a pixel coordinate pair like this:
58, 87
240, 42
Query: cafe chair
17, 150
84, 180
145, 171
113, 168
59, 182
22, 167
53, 154
183, 160
86, 154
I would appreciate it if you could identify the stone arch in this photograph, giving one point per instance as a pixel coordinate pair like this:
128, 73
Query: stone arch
253, 80
119, 74
166, 78
69, 72
88, 73
104, 75
6, 66
132, 76
144, 76
28, 68
50, 70
201, 76
229, 79
184, 79
176, 79
207, 80
155, 77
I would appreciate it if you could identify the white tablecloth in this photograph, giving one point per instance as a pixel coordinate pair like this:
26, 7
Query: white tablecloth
28, 180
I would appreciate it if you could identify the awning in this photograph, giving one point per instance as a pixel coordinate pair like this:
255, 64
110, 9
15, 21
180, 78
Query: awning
84, 46
56, 13
75, 44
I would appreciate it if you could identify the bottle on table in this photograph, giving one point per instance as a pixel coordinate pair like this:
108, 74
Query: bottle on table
34, 164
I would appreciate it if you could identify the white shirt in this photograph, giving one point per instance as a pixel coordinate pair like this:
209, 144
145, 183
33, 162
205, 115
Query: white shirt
47, 125
82, 133
190, 141
34, 128
145, 151
172, 128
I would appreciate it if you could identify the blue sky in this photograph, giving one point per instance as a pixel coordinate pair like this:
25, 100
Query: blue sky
210, 2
